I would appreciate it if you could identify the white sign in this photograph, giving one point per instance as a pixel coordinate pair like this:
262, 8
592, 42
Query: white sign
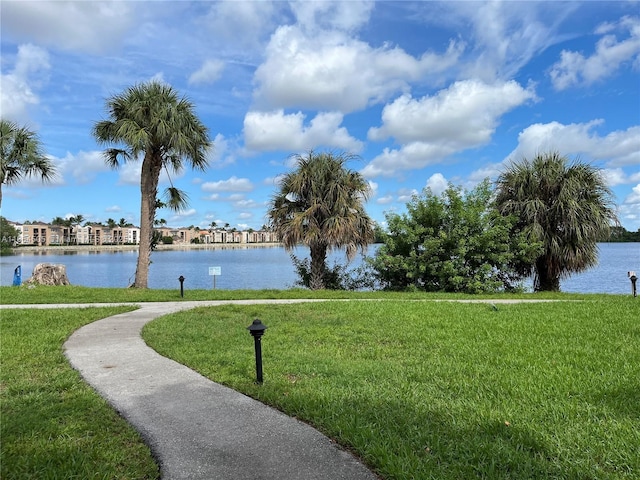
215, 270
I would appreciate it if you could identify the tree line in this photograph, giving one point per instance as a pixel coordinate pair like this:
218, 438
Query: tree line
542, 217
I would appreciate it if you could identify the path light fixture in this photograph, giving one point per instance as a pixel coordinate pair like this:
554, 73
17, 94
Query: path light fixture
181, 280
633, 278
256, 329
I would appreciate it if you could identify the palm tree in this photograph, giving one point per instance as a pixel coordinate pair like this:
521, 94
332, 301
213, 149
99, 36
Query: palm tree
74, 222
566, 205
21, 155
320, 205
162, 129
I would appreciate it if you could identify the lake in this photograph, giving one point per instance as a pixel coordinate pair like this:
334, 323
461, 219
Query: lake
266, 267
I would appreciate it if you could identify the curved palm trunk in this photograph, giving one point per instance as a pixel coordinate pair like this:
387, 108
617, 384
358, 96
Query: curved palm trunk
148, 191
318, 266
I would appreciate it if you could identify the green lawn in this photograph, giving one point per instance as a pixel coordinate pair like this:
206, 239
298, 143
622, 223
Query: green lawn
437, 389
53, 425
76, 294
418, 389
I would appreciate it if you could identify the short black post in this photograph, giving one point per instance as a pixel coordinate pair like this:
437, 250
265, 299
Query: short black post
181, 280
633, 278
257, 329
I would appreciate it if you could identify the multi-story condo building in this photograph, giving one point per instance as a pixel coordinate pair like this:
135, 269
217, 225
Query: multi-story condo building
43, 234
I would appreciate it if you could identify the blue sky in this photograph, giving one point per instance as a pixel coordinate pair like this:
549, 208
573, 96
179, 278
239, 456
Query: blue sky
425, 93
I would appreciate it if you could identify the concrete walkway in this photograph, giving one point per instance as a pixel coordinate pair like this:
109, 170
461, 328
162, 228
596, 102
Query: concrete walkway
198, 429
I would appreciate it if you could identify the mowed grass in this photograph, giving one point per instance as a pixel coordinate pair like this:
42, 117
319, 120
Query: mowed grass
76, 294
53, 425
442, 390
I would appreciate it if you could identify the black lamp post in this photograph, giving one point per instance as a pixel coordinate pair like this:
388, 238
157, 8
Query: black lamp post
181, 280
256, 329
633, 278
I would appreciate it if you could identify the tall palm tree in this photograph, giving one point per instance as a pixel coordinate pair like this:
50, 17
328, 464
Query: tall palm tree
154, 124
567, 205
320, 205
21, 155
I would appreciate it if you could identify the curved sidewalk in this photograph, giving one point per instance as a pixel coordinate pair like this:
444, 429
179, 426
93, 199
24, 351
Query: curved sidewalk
198, 429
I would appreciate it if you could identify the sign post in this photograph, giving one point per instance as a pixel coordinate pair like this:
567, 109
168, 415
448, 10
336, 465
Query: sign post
214, 272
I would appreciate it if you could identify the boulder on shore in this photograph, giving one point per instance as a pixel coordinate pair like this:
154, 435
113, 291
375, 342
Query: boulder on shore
49, 274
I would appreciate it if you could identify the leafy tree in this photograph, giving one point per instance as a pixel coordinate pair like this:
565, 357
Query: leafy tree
156, 125
61, 221
8, 236
621, 234
21, 156
565, 205
74, 222
455, 242
320, 205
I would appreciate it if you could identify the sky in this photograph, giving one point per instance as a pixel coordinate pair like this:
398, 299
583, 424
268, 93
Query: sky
425, 94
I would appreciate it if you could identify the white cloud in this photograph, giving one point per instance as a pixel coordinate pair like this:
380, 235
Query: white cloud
414, 155
19, 87
405, 195
220, 154
491, 170
503, 37
386, 200
276, 130
437, 183
209, 72
93, 27
83, 166
615, 176
334, 72
510, 34
179, 218
609, 56
463, 116
343, 16
618, 148
634, 198
629, 210
241, 24
233, 184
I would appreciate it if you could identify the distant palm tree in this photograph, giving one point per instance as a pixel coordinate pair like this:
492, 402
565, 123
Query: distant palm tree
21, 156
567, 205
162, 129
320, 205
74, 222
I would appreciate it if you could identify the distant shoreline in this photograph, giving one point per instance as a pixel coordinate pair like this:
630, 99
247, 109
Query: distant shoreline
129, 248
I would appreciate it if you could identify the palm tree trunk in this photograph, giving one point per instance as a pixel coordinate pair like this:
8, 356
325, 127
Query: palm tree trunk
148, 191
544, 280
318, 265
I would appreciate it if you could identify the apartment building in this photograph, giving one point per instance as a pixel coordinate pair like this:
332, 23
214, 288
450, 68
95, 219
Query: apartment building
43, 234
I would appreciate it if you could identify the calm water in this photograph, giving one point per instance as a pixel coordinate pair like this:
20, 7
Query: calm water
266, 267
